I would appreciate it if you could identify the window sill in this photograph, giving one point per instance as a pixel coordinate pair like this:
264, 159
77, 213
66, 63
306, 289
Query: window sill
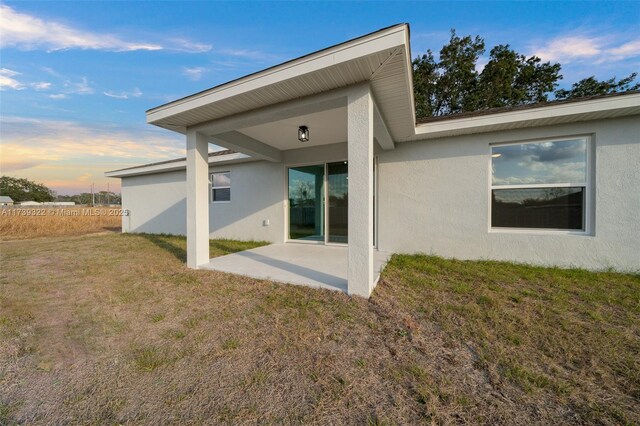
532, 231
220, 202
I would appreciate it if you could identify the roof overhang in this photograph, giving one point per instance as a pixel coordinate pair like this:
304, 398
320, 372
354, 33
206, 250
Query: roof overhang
178, 164
382, 58
593, 109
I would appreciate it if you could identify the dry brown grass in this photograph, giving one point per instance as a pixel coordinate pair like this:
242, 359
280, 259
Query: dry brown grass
115, 329
36, 221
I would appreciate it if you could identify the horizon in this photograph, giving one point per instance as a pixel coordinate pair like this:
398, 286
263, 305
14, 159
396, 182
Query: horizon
76, 81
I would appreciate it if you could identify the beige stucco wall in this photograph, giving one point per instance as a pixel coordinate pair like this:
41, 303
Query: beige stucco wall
434, 198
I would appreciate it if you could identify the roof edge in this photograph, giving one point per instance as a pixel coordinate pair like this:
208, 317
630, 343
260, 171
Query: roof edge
222, 157
273, 69
506, 109
577, 110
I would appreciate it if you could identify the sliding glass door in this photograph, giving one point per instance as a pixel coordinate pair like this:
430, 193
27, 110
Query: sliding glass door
306, 203
338, 209
319, 203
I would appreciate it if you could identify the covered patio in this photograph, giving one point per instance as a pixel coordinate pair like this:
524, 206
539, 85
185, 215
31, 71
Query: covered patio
312, 265
262, 115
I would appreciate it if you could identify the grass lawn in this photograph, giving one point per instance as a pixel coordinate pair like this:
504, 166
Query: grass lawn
115, 329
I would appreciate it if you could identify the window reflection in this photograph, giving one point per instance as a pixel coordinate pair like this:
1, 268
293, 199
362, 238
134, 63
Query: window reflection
550, 208
540, 163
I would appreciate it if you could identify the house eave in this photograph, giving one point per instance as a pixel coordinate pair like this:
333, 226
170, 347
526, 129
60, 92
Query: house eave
593, 109
174, 165
349, 63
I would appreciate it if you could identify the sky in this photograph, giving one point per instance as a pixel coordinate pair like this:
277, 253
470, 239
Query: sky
77, 77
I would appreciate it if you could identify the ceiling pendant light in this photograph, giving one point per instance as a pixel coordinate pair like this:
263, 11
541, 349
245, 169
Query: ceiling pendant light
303, 134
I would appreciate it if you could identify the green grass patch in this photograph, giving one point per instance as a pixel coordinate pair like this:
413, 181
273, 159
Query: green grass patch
148, 358
176, 245
520, 319
231, 344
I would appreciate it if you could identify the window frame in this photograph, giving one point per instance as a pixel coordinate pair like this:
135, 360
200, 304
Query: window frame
587, 211
213, 187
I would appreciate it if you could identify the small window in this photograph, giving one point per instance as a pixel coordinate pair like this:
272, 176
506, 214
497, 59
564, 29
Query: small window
221, 187
540, 185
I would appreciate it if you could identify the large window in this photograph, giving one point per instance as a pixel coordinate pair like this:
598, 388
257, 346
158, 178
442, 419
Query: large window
220, 187
540, 185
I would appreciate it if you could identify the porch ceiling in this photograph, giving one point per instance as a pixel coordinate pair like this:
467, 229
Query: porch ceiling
326, 127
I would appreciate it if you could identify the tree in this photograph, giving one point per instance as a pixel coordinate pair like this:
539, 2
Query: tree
453, 84
590, 86
25, 190
510, 79
448, 86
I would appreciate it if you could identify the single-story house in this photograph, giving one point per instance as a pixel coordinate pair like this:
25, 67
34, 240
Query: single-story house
325, 151
5, 200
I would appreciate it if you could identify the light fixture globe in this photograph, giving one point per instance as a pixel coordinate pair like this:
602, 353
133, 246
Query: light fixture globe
303, 134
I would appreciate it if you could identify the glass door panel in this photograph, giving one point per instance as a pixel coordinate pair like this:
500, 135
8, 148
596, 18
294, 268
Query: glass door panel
338, 211
306, 203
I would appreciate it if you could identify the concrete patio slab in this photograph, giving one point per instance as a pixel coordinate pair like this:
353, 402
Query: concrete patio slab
312, 265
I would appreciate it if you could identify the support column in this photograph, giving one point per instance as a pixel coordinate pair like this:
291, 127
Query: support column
360, 154
197, 199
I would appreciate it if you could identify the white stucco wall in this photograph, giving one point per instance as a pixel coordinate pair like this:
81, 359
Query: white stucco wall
157, 203
257, 194
434, 198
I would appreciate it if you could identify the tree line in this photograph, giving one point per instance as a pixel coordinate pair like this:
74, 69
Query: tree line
20, 189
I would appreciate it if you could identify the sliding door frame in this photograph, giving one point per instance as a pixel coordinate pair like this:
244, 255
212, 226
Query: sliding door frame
325, 225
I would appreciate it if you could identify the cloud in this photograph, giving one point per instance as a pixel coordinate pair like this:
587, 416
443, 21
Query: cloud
7, 81
29, 32
51, 71
62, 153
194, 73
13, 164
482, 62
254, 55
550, 162
580, 47
183, 45
135, 93
68, 87
41, 85
567, 48
84, 177
81, 87
53, 140
630, 49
